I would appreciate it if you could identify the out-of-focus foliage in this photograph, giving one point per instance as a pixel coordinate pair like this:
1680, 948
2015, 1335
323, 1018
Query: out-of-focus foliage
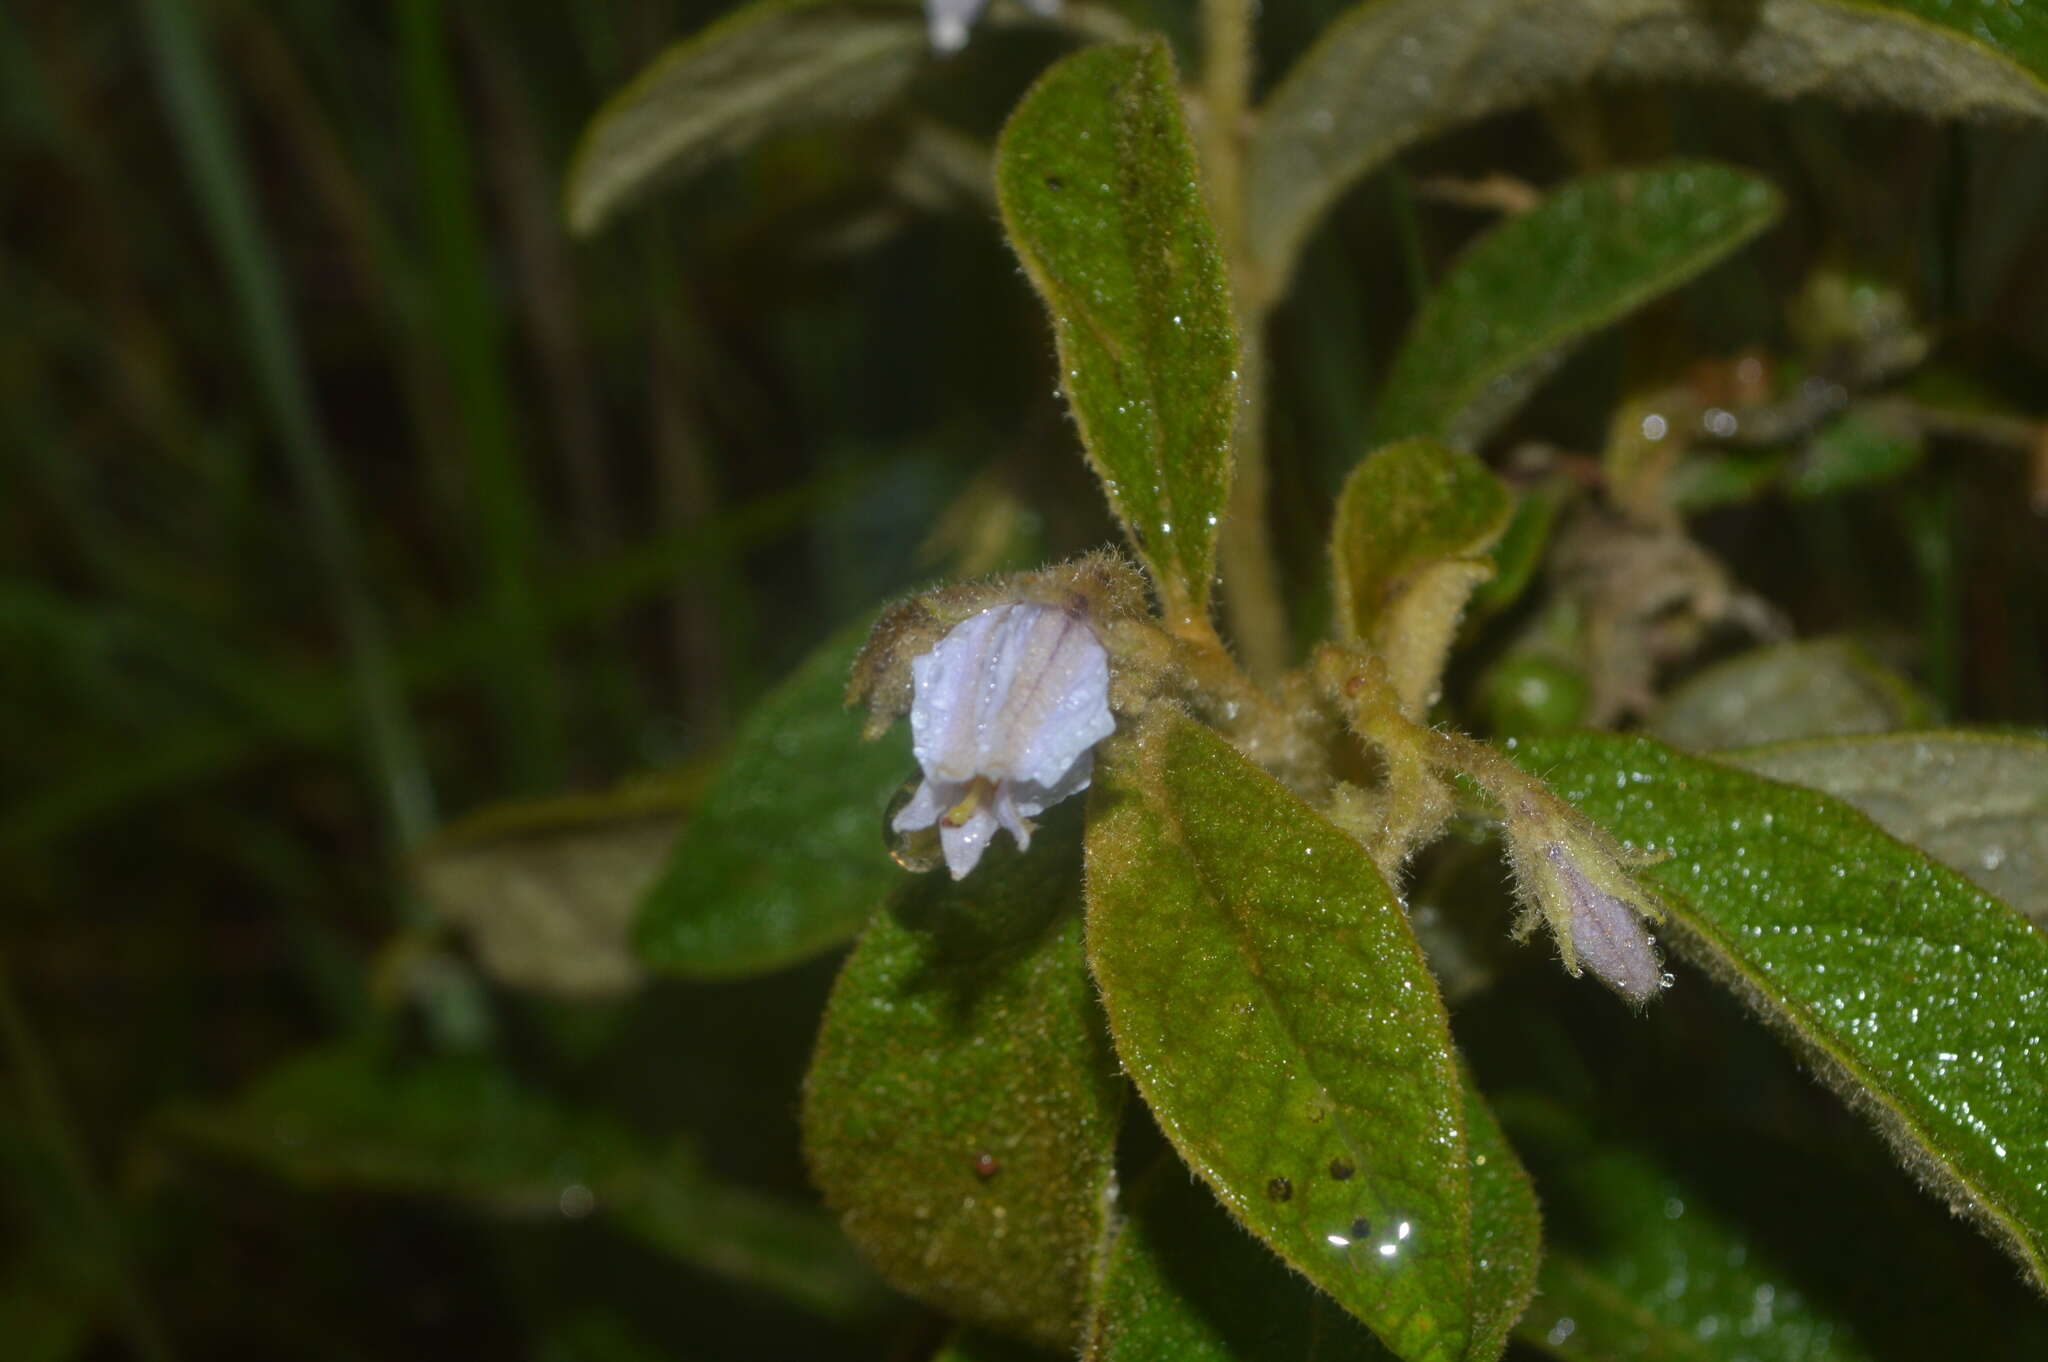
445, 445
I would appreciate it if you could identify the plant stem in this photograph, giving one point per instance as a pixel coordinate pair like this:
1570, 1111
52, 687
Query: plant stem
1251, 582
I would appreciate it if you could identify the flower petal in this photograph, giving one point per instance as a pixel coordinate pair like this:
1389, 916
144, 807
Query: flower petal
964, 844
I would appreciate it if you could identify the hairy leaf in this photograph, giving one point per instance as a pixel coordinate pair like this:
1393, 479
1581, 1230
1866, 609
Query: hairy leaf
1393, 71
469, 1129
1977, 802
1921, 999
1413, 526
786, 857
1813, 688
770, 66
1592, 251
1102, 199
962, 1106
547, 890
1184, 1284
1271, 1003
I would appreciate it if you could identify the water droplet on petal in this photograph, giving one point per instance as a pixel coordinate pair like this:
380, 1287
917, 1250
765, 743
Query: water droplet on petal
918, 850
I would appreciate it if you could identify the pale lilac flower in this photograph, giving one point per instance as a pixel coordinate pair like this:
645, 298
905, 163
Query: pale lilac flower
1608, 935
1008, 708
949, 20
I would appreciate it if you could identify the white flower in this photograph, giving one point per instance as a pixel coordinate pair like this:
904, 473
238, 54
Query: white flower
1007, 709
949, 20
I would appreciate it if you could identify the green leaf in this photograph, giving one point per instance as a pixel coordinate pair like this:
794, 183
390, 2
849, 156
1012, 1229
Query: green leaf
1592, 251
1102, 199
1706, 479
1713, 1245
962, 1106
1922, 1000
1268, 997
765, 68
1184, 1284
1520, 551
1391, 72
1815, 688
468, 1129
1977, 802
1413, 527
546, 890
1865, 445
1643, 1266
786, 857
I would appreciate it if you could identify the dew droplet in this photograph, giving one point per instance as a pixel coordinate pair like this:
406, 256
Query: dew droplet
918, 850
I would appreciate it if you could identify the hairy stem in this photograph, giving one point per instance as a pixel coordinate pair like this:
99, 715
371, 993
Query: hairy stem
1251, 582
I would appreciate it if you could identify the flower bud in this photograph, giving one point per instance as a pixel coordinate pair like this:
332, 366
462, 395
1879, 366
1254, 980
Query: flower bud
1007, 710
1595, 912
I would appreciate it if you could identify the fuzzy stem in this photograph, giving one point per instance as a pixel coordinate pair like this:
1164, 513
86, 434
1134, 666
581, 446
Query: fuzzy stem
1251, 580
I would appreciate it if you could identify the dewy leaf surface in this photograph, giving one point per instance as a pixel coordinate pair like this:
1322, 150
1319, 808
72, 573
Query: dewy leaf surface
1976, 802
1100, 193
1391, 72
1270, 1001
962, 1106
1183, 1283
1413, 527
767, 67
1592, 251
786, 856
1921, 999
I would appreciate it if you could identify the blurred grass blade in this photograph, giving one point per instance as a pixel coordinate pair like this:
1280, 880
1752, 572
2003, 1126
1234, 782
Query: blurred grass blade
37, 1089
314, 708
1391, 72
1511, 307
347, 1117
522, 674
766, 67
221, 179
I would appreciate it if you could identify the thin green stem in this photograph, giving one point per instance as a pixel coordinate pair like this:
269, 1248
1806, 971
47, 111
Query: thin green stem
526, 692
1251, 580
221, 180
44, 1103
